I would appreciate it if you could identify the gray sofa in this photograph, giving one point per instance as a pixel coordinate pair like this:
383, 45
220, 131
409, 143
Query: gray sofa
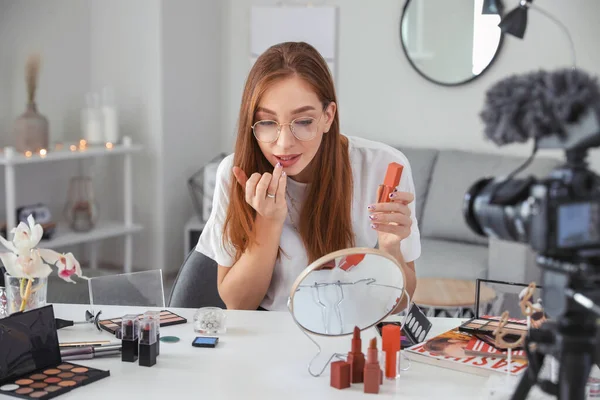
449, 248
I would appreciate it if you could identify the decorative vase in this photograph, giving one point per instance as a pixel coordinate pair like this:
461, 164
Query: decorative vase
31, 130
23, 294
81, 210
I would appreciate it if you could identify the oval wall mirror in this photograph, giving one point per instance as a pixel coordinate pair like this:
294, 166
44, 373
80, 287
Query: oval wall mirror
356, 287
451, 42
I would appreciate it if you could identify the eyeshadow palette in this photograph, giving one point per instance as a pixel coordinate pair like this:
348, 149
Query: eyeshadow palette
167, 318
488, 326
30, 362
507, 297
51, 382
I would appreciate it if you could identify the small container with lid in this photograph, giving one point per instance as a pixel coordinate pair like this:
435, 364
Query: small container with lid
210, 321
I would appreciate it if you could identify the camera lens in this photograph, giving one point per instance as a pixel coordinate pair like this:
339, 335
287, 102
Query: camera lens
468, 205
496, 208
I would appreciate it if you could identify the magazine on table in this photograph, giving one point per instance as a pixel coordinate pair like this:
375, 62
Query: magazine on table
449, 350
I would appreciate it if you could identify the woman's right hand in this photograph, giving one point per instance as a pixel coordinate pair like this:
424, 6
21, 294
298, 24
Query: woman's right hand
266, 192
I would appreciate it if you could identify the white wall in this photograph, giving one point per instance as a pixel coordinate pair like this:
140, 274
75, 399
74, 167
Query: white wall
191, 63
382, 98
126, 54
39, 25
163, 60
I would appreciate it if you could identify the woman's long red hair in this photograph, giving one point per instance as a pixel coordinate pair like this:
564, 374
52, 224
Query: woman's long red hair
325, 219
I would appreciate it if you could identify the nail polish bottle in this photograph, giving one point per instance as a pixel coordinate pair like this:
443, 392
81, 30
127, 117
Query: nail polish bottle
391, 336
155, 315
390, 182
147, 350
130, 328
372, 371
356, 358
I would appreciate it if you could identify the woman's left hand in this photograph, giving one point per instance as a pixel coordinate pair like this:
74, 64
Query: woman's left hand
392, 220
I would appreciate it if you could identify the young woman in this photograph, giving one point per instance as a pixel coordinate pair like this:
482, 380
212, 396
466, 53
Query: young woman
295, 189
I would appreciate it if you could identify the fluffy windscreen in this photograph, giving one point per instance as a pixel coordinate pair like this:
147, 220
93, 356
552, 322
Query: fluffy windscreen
537, 104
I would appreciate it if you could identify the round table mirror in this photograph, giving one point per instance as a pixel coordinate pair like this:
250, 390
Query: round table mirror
451, 42
350, 288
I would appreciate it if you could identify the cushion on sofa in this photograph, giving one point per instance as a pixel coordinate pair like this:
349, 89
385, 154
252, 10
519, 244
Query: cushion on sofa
454, 173
446, 259
421, 162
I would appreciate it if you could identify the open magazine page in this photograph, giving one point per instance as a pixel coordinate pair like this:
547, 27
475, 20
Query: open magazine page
448, 350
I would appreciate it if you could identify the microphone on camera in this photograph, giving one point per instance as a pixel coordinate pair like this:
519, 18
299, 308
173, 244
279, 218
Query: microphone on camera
540, 105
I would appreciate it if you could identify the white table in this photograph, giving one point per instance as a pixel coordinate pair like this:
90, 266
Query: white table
263, 355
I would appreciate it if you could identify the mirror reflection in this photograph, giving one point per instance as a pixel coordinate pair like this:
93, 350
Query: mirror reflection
354, 287
451, 42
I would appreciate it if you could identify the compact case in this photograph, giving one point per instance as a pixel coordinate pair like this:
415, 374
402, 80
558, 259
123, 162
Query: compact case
30, 363
506, 298
416, 329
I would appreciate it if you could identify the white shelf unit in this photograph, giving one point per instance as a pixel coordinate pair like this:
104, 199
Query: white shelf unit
63, 236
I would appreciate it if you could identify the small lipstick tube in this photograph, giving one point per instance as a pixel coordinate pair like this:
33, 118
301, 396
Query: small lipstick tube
372, 373
391, 181
147, 342
391, 336
130, 327
155, 315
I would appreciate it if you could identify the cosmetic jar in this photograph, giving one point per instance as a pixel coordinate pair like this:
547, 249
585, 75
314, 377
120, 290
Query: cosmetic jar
592, 388
3, 303
209, 321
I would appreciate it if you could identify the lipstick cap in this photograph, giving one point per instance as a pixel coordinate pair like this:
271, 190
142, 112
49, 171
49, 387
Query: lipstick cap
393, 174
390, 336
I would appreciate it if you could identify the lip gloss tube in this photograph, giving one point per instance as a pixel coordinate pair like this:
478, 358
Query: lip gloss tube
390, 182
391, 335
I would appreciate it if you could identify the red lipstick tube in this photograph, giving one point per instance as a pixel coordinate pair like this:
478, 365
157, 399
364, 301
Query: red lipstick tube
391, 181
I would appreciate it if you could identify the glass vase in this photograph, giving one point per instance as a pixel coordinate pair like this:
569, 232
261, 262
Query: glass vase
23, 294
3, 305
81, 210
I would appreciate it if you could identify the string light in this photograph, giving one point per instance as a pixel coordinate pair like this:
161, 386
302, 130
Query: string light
109, 145
28, 153
43, 153
72, 147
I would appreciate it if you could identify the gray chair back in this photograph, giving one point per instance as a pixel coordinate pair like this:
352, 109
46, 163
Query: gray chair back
196, 283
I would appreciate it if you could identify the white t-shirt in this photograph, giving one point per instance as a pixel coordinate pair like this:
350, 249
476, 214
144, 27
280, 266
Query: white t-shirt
369, 161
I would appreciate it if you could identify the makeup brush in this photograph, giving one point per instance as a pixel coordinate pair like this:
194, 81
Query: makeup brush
63, 323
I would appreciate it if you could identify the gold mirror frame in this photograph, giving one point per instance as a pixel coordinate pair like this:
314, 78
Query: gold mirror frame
315, 265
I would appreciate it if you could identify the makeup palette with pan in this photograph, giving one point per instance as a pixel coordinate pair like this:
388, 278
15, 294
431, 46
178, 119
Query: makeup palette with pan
51, 382
507, 297
488, 326
167, 318
31, 366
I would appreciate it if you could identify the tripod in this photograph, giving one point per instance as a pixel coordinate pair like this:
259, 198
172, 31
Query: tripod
571, 338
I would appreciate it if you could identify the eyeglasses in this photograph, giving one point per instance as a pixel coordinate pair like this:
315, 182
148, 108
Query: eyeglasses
303, 128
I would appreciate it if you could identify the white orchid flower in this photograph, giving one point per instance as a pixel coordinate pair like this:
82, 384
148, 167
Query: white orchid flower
66, 263
25, 266
25, 261
25, 237
9, 260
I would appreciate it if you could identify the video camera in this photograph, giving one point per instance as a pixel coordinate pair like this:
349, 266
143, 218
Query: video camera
557, 216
